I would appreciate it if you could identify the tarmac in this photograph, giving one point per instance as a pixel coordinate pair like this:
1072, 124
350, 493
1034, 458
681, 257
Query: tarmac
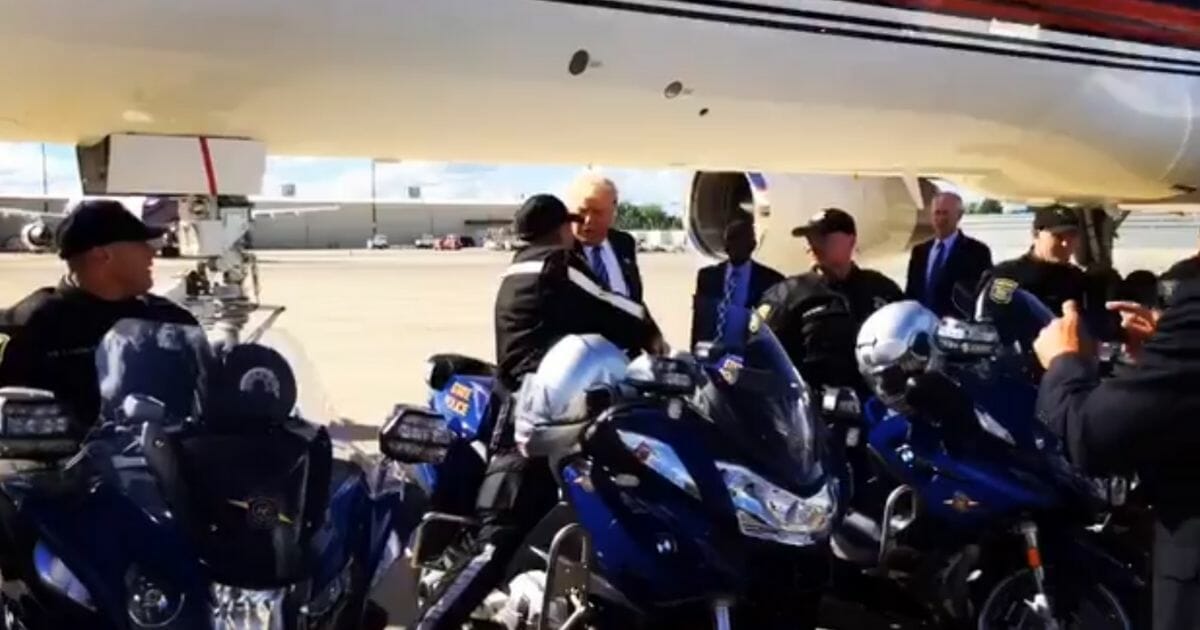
367, 320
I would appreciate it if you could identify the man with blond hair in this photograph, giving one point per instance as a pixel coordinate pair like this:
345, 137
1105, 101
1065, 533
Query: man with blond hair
611, 253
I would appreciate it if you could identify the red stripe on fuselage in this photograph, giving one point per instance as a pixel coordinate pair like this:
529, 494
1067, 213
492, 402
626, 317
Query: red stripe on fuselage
209, 172
1145, 22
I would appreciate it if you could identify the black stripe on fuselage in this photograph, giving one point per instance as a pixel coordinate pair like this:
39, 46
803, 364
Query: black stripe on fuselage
1046, 51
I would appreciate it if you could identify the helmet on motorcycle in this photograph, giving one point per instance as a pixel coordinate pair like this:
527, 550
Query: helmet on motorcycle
893, 345
550, 407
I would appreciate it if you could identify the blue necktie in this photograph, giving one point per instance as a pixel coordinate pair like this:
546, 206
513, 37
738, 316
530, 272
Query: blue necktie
600, 268
935, 272
723, 321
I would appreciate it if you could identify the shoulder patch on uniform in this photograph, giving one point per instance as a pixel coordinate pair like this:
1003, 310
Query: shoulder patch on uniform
1002, 290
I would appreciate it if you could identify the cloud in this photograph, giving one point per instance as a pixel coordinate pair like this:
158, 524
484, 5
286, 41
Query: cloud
329, 178
21, 169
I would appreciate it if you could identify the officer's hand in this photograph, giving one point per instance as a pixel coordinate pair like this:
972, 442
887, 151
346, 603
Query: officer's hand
1138, 322
1061, 336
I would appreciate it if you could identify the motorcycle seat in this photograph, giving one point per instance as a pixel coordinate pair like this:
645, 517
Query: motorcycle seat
443, 367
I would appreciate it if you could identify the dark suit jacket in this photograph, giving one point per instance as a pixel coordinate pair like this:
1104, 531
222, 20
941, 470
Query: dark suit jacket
965, 264
710, 290
1144, 419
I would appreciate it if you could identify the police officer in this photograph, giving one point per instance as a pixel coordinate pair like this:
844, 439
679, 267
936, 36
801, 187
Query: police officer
1046, 269
1143, 420
817, 314
1186, 269
548, 292
47, 340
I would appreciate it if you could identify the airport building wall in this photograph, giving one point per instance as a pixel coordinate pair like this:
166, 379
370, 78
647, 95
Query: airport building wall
350, 226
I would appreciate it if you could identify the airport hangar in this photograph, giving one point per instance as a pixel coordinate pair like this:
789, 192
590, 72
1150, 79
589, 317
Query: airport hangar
350, 226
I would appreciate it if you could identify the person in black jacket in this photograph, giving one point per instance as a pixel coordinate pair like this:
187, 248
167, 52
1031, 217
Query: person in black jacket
1143, 420
817, 314
1046, 269
738, 281
548, 292
48, 339
611, 253
950, 259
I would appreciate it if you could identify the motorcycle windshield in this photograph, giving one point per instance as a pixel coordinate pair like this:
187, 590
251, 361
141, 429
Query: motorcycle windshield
147, 359
756, 396
1017, 314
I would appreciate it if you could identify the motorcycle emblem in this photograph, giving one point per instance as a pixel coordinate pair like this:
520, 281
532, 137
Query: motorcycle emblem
1002, 290
961, 503
263, 513
259, 379
730, 368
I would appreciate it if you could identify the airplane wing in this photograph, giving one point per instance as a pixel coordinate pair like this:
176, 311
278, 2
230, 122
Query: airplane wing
296, 211
22, 213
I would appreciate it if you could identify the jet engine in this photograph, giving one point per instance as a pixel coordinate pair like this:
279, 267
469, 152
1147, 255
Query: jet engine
37, 236
887, 211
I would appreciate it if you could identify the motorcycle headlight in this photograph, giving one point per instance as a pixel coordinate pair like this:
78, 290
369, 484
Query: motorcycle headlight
152, 603
769, 512
55, 574
660, 458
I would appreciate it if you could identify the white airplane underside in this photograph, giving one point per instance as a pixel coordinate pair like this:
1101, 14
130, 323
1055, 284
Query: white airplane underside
824, 102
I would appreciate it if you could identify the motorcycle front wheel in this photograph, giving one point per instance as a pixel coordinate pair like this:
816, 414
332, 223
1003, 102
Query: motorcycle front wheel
1080, 607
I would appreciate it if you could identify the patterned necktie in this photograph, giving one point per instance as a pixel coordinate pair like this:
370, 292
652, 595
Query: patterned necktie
600, 268
726, 302
935, 271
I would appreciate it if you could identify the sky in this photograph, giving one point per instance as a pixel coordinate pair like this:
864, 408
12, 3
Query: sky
325, 178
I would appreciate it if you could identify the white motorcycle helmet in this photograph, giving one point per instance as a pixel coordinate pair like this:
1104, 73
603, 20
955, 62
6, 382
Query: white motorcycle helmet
893, 345
550, 408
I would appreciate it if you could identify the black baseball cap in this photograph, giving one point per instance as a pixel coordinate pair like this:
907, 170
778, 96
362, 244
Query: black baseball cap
827, 221
97, 222
541, 215
1055, 218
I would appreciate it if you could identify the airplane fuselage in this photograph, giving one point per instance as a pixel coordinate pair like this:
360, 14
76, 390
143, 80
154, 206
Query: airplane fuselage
803, 86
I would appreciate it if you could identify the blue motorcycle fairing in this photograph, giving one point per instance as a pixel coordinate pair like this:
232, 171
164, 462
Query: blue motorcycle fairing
655, 542
101, 520
101, 535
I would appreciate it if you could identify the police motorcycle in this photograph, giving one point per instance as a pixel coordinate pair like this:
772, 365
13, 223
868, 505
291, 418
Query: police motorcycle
985, 524
204, 497
695, 490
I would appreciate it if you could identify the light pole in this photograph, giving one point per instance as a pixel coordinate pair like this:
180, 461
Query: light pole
45, 183
374, 203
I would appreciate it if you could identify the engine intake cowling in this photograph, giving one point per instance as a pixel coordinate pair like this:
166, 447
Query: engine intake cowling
37, 237
887, 211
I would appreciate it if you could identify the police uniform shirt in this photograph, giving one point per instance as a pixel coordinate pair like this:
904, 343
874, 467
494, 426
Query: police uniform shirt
549, 292
1052, 283
866, 290
48, 340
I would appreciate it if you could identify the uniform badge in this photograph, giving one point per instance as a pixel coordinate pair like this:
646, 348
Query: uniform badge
1002, 290
730, 368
